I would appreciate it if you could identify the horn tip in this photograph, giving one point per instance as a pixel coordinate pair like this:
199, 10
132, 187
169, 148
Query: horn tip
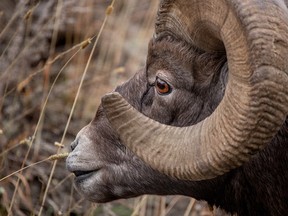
111, 98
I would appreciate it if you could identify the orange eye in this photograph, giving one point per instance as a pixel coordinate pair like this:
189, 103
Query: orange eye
162, 87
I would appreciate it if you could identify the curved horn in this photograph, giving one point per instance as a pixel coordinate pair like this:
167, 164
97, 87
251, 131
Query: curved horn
255, 104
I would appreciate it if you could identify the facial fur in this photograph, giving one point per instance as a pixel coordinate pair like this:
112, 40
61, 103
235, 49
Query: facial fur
116, 171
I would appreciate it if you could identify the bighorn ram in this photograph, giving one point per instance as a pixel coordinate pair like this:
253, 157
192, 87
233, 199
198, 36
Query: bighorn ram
206, 117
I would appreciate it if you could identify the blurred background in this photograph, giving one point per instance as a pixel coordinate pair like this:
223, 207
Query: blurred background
37, 40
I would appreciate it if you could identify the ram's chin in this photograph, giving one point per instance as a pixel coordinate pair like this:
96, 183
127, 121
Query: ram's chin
88, 186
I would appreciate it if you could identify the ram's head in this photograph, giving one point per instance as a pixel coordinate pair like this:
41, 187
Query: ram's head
213, 93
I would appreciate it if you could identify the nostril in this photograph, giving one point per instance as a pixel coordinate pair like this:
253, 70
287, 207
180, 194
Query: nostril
74, 144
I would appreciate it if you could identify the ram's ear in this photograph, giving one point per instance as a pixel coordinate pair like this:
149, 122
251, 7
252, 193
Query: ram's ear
255, 36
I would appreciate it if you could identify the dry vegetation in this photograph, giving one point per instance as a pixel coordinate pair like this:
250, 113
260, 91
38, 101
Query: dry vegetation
43, 55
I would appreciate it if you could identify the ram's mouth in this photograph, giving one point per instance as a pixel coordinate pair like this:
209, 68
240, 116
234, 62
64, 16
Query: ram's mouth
81, 175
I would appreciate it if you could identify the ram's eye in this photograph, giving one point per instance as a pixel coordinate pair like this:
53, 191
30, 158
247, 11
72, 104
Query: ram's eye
162, 87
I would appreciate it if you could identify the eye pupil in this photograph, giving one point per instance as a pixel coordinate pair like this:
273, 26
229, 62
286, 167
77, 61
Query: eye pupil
162, 87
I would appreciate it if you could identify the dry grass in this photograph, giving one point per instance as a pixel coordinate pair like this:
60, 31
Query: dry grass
44, 50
